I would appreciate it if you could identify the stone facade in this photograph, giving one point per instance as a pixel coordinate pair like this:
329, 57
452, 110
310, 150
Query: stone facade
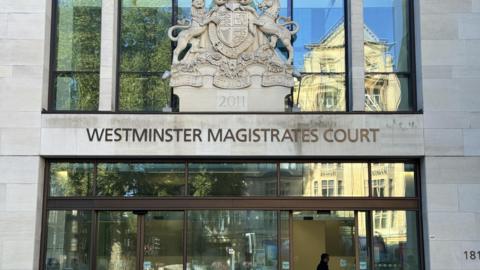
445, 137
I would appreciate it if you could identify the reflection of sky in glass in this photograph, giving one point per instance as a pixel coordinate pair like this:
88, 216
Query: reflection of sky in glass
386, 18
316, 19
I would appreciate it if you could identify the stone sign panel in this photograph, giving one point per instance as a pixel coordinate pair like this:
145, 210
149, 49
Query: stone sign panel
232, 135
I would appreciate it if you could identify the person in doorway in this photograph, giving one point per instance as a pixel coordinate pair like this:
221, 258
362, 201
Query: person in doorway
323, 265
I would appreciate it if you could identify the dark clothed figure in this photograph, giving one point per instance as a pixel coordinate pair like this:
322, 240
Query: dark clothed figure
323, 265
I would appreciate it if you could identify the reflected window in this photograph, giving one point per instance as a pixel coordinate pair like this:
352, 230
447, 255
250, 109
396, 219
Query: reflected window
335, 179
145, 53
140, 179
395, 244
320, 55
76, 65
71, 179
232, 179
232, 239
393, 180
387, 55
68, 240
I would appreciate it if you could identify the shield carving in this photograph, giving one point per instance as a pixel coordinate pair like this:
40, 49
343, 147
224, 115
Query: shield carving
231, 36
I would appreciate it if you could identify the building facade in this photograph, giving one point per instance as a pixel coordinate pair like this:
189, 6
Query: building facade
373, 156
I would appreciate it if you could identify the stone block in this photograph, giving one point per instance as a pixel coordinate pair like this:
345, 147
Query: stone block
472, 142
469, 197
18, 169
445, 6
21, 197
452, 226
26, 26
22, 120
437, 72
439, 26
3, 197
472, 51
470, 71
442, 197
457, 120
443, 52
21, 52
17, 254
17, 224
3, 25
476, 6
6, 71
468, 25
30, 6
452, 170
444, 142
20, 141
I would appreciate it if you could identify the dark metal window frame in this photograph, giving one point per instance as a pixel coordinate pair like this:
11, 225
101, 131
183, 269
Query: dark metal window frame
53, 72
272, 203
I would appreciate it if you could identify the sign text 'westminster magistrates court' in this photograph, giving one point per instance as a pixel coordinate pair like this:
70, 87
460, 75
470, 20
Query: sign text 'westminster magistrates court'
241, 135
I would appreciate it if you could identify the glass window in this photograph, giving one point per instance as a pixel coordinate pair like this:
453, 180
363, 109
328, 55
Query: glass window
232, 179
320, 55
232, 239
285, 240
393, 180
335, 179
145, 53
68, 240
116, 240
71, 179
396, 243
140, 179
163, 248
76, 67
387, 55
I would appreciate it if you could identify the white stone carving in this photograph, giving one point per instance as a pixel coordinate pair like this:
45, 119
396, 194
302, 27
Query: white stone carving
230, 43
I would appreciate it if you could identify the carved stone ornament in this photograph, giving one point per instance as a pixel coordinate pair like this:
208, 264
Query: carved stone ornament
232, 43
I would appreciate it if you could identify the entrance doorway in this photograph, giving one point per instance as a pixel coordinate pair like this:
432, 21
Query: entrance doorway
318, 232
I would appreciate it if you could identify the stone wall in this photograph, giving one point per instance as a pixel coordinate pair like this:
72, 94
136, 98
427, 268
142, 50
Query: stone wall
450, 57
22, 62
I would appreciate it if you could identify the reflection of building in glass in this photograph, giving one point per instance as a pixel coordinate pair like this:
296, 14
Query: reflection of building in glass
323, 89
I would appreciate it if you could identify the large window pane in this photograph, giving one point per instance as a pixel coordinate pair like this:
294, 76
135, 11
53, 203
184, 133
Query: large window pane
140, 179
145, 53
324, 179
77, 53
71, 179
232, 179
387, 55
393, 180
163, 247
320, 44
320, 93
387, 35
116, 240
232, 239
68, 240
395, 240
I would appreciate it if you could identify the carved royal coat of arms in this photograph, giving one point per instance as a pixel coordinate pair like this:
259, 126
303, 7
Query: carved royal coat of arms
234, 43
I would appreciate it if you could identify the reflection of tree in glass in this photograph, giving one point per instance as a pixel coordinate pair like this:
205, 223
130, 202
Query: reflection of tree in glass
78, 56
71, 179
145, 53
133, 180
204, 183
